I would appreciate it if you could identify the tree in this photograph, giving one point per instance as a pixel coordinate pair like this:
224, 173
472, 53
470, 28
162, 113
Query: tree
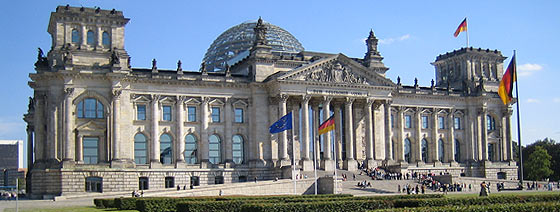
553, 150
538, 164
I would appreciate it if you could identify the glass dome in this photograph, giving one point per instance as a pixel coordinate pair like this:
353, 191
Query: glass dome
240, 38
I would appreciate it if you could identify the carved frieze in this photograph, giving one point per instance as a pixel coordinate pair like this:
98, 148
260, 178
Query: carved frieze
337, 73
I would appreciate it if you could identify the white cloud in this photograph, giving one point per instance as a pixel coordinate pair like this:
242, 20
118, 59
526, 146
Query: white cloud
528, 69
392, 40
533, 101
556, 100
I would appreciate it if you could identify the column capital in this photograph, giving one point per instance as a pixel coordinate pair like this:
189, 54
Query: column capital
349, 101
68, 92
155, 98
369, 102
180, 99
116, 93
205, 99
508, 112
283, 97
306, 99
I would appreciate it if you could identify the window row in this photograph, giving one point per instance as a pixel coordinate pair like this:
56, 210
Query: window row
167, 114
424, 149
425, 122
191, 147
91, 38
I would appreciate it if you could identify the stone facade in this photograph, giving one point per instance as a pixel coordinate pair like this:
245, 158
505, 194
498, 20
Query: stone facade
97, 124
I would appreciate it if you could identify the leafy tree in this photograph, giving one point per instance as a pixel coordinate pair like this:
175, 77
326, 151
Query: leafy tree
553, 150
538, 164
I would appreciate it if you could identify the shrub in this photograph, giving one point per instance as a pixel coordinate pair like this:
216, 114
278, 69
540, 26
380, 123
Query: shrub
476, 200
104, 203
518, 207
210, 206
335, 206
126, 203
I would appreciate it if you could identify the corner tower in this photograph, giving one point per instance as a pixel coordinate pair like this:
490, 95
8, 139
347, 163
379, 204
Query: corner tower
85, 36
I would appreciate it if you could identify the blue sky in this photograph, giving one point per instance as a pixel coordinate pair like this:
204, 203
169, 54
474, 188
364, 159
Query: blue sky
411, 33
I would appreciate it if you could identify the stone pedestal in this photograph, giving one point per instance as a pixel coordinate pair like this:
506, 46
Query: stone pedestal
284, 162
437, 163
68, 163
181, 164
120, 163
155, 164
229, 164
350, 165
453, 164
307, 165
420, 163
205, 164
259, 163
328, 165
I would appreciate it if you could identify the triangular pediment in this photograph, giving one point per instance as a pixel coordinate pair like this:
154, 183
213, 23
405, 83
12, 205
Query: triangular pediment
337, 69
89, 126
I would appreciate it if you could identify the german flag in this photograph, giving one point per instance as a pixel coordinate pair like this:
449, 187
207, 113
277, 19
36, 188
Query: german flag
462, 27
506, 84
327, 125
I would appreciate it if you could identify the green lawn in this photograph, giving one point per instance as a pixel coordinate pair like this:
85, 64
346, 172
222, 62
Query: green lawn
69, 209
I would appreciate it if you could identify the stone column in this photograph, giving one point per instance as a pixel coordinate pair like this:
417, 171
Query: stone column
400, 136
83, 43
282, 110
52, 133
306, 162
39, 126
228, 133
328, 163
203, 143
338, 135
350, 162
435, 137
316, 143
116, 121
295, 137
68, 123
418, 136
388, 132
180, 155
30, 144
99, 37
80, 149
507, 136
484, 134
154, 156
370, 163
451, 136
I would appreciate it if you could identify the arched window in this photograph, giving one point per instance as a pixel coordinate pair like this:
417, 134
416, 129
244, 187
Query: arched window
105, 39
457, 151
490, 122
237, 148
214, 149
424, 150
440, 150
190, 149
90, 108
90, 38
140, 149
166, 149
407, 150
75, 36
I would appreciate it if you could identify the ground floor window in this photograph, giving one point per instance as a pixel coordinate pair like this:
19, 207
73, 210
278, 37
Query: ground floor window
169, 182
195, 181
219, 180
143, 183
502, 175
242, 179
94, 184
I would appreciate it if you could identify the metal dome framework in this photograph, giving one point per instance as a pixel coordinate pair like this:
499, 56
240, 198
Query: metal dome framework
240, 38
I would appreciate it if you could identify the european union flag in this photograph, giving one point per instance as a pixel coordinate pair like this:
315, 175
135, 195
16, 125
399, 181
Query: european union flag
284, 123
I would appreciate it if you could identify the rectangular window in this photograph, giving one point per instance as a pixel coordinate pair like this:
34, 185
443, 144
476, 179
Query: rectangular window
424, 122
238, 115
215, 114
457, 123
191, 114
392, 121
441, 122
140, 112
167, 113
407, 121
90, 149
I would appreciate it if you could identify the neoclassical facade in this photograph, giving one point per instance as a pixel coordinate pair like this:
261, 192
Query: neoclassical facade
96, 124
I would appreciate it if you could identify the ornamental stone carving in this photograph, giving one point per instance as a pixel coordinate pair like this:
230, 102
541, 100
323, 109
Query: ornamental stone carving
335, 72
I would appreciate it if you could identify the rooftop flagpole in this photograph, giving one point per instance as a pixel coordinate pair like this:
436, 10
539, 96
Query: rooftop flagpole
467, 29
315, 161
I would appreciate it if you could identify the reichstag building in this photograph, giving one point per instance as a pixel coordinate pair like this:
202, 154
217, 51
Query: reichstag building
96, 124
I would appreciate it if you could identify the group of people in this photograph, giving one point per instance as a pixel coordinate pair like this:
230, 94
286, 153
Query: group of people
6, 195
412, 190
136, 193
364, 184
536, 186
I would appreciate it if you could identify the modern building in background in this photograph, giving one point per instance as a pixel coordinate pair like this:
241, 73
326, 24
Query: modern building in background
96, 124
11, 162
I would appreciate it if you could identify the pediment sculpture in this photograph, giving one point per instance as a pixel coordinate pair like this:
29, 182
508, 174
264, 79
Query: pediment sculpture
335, 72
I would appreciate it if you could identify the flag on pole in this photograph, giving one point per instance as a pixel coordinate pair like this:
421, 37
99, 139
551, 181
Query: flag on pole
462, 27
284, 123
327, 125
506, 84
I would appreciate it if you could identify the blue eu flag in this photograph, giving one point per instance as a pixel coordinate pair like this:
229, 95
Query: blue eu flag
284, 123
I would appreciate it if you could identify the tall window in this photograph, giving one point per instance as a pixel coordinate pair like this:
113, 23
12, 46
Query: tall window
90, 38
237, 148
190, 149
392, 121
457, 150
490, 122
214, 149
440, 150
106, 39
195, 181
238, 115
215, 114
424, 150
169, 182
143, 183
457, 123
191, 114
491, 152
407, 121
90, 108
167, 113
166, 149
140, 112
424, 122
90, 149
140, 149
441, 122
407, 150
75, 36
94, 184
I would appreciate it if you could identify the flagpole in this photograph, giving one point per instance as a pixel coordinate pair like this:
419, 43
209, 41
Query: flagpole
294, 163
315, 162
518, 124
335, 163
467, 31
